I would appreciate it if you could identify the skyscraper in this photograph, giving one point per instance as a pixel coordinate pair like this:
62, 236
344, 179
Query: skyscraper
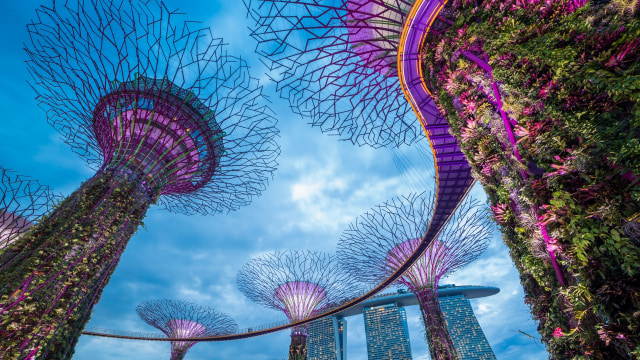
464, 329
327, 339
386, 326
387, 334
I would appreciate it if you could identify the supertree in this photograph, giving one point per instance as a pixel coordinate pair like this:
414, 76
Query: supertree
298, 283
181, 319
380, 241
554, 143
164, 115
22, 202
336, 63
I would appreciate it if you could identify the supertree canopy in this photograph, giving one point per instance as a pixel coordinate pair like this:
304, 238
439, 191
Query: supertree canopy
164, 115
180, 319
380, 241
22, 202
336, 63
298, 283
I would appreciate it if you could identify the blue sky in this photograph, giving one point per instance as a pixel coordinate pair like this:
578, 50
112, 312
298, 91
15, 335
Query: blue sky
320, 187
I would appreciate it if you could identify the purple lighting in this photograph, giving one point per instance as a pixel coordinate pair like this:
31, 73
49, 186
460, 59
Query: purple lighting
181, 319
376, 245
22, 202
374, 30
425, 270
164, 116
336, 63
154, 129
300, 299
298, 283
183, 329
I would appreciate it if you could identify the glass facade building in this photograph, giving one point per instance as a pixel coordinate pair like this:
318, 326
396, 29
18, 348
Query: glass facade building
386, 330
327, 339
387, 333
466, 333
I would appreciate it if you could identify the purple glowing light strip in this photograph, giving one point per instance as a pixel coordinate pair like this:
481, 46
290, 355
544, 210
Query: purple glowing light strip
483, 64
452, 169
496, 93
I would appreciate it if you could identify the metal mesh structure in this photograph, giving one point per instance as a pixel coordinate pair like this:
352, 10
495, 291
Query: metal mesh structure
298, 283
181, 319
22, 202
380, 241
131, 88
336, 63
164, 115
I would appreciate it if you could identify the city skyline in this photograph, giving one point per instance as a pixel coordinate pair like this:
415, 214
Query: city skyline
303, 203
326, 335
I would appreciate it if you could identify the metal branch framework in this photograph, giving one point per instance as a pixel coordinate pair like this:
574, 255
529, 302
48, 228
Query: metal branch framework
298, 283
130, 88
22, 202
164, 115
381, 241
181, 319
336, 63
453, 174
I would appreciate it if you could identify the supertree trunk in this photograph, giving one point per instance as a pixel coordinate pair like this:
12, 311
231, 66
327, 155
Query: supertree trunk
384, 239
298, 283
54, 274
436, 332
178, 354
180, 319
298, 347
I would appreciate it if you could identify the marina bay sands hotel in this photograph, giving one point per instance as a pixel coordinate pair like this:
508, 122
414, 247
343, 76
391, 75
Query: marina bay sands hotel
385, 323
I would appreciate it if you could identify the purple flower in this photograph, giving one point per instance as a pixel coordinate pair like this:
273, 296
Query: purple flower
557, 333
500, 213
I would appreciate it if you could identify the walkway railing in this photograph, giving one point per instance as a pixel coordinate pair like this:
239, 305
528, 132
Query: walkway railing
453, 174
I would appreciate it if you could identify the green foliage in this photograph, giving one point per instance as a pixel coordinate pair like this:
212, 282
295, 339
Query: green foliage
569, 77
54, 274
436, 332
298, 347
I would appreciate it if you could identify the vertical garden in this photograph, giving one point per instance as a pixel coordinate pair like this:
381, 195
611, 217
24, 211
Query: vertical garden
544, 98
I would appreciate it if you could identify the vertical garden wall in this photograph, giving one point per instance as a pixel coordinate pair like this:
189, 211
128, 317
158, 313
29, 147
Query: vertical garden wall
544, 98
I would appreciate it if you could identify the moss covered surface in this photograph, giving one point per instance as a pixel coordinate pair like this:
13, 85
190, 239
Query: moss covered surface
298, 347
435, 326
54, 274
567, 77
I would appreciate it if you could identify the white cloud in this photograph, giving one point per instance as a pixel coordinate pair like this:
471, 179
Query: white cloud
330, 199
320, 187
193, 295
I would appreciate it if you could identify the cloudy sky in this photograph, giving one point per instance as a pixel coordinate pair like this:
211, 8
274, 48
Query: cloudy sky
320, 187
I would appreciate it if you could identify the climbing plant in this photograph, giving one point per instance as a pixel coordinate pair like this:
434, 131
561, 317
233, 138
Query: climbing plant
544, 99
60, 266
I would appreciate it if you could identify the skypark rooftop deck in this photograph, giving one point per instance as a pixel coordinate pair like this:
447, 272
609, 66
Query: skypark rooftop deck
406, 298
